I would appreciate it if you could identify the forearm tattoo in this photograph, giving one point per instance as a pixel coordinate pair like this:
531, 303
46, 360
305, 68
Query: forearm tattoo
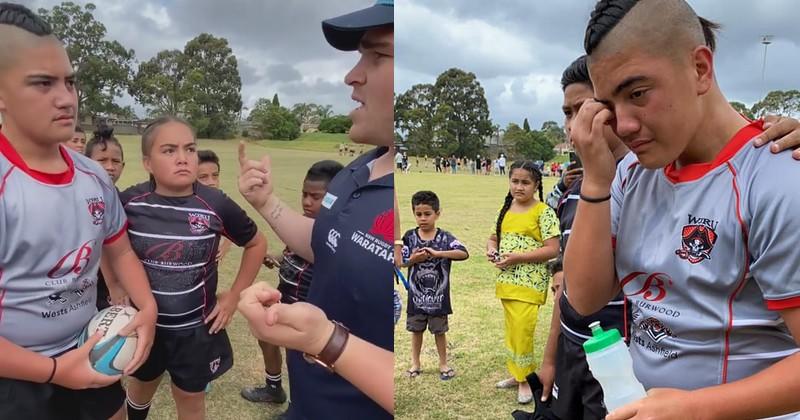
276, 212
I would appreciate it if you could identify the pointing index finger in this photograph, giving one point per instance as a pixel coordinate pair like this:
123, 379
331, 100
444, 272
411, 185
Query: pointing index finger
242, 155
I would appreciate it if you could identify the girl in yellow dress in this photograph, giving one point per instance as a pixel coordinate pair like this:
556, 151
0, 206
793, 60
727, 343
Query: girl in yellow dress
524, 238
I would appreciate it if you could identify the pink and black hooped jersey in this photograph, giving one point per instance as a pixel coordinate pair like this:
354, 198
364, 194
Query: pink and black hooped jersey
708, 255
52, 230
177, 238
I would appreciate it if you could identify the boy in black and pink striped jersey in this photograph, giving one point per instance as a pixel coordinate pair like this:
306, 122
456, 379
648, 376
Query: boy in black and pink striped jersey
294, 276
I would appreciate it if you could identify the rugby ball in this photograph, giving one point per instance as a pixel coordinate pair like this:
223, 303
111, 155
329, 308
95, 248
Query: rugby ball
113, 352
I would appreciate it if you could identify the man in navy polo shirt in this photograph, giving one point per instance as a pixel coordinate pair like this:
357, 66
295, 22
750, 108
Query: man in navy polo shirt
350, 242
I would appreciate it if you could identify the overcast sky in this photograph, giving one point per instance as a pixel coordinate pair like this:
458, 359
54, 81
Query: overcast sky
518, 48
279, 43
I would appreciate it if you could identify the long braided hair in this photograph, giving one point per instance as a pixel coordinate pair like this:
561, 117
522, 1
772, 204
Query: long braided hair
536, 175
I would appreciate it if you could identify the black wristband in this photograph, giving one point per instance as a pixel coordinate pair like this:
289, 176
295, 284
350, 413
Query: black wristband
53, 373
595, 200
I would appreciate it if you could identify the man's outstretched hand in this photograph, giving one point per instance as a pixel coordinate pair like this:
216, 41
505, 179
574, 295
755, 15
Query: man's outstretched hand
255, 179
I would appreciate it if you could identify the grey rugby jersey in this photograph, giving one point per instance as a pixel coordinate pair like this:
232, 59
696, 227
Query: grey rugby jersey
177, 238
52, 229
707, 255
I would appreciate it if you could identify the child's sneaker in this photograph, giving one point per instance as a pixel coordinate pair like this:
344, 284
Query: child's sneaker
265, 394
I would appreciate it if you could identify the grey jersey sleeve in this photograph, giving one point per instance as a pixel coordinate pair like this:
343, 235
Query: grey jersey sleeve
618, 189
773, 202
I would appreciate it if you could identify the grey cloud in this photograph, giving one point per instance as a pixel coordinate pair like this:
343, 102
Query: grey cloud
283, 73
553, 36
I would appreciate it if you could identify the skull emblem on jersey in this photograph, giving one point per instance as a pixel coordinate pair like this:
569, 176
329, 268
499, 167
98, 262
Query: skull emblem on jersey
97, 208
655, 329
697, 241
198, 223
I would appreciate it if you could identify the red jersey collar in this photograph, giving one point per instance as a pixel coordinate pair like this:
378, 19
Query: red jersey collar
53, 179
696, 171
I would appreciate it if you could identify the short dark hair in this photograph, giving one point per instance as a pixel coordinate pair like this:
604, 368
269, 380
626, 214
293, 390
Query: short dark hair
709, 29
207, 156
555, 265
23, 18
605, 16
324, 170
78, 129
577, 72
102, 137
425, 197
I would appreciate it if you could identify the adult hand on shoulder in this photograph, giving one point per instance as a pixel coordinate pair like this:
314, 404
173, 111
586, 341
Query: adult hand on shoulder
255, 178
783, 131
74, 371
589, 132
143, 325
299, 326
660, 404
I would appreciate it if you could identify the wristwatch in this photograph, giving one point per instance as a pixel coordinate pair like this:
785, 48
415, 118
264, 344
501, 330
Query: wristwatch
333, 349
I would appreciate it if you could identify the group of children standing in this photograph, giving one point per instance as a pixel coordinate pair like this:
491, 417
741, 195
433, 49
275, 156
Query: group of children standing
189, 337
524, 237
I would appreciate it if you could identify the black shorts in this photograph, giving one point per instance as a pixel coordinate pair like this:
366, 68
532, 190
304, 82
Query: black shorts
399, 166
436, 324
35, 401
192, 357
576, 394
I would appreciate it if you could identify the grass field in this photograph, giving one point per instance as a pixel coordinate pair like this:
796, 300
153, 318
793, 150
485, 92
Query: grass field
475, 341
290, 161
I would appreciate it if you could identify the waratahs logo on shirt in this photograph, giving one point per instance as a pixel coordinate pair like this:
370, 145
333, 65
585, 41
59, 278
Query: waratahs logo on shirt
383, 226
697, 239
199, 223
97, 208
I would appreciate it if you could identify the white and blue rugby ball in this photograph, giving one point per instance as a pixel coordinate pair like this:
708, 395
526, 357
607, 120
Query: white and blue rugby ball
113, 352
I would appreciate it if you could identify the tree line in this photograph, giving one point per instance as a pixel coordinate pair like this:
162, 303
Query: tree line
451, 117
200, 83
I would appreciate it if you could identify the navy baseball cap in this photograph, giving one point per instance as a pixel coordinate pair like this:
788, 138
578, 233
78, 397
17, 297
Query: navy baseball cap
345, 32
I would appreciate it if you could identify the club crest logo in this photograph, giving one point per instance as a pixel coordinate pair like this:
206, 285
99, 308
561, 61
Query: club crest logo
199, 223
383, 226
97, 208
655, 329
214, 365
697, 240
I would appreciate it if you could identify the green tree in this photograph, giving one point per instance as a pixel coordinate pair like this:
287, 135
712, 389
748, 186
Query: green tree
461, 121
553, 133
526, 126
414, 117
335, 124
160, 83
274, 122
104, 67
275, 100
742, 109
534, 146
311, 113
781, 102
213, 86
127, 113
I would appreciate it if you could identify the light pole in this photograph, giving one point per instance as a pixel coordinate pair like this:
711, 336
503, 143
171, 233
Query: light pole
766, 40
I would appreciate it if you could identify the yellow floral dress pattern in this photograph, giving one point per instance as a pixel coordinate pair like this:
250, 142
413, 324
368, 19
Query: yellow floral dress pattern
524, 232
